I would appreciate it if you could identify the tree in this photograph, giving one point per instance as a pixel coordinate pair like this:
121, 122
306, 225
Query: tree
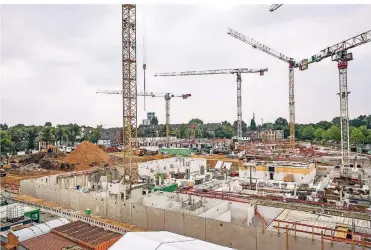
306, 132
281, 122
334, 133
6, 144
184, 131
48, 124
252, 124
324, 125
318, 133
196, 120
31, 135
336, 121
73, 131
364, 130
47, 135
4, 126
60, 134
96, 134
224, 131
243, 125
16, 134
154, 121
357, 137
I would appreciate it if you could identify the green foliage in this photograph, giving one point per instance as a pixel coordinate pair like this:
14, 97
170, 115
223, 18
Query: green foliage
4, 126
318, 133
73, 130
224, 131
334, 133
95, 135
6, 143
60, 134
16, 134
47, 135
282, 122
252, 124
31, 135
184, 131
357, 137
323, 125
196, 120
306, 132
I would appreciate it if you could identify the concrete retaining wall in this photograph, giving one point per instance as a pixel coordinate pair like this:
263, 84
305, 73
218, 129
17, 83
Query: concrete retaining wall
228, 234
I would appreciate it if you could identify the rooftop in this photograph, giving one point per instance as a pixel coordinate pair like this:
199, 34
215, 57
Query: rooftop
50, 241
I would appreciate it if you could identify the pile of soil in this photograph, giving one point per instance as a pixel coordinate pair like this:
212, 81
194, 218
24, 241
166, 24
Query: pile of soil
88, 155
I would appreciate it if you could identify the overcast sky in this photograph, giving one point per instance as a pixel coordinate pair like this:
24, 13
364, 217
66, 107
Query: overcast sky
55, 57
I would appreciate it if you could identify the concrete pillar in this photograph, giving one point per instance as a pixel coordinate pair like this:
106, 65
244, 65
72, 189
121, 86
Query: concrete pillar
295, 189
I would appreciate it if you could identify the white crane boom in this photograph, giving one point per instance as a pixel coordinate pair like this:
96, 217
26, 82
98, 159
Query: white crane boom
213, 72
238, 72
259, 46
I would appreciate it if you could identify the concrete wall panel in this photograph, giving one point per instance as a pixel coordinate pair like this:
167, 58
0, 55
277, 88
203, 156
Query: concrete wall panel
156, 219
65, 198
112, 209
74, 200
194, 226
124, 210
242, 237
85, 202
139, 215
174, 222
98, 205
270, 240
218, 232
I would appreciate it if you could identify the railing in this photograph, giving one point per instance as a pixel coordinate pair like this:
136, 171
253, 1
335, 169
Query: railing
360, 239
74, 216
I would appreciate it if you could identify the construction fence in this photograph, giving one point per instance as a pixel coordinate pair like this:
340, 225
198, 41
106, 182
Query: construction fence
156, 219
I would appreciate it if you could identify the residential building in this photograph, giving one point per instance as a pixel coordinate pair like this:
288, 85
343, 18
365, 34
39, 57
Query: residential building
271, 136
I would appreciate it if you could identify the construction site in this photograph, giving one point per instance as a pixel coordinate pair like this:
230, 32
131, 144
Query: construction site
229, 193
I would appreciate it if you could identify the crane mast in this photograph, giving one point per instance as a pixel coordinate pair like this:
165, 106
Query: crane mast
238, 73
292, 64
339, 53
129, 92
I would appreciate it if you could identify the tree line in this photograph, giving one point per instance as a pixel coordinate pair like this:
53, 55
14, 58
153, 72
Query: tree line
11, 137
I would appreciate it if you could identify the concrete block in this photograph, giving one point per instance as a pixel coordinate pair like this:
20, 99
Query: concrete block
194, 227
270, 240
139, 215
124, 210
74, 200
65, 198
112, 209
85, 202
174, 222
156, 219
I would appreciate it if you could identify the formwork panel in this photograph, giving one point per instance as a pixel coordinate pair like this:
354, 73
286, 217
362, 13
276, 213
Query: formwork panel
174, 222
139, 215
112, 209
124, 210
156, 219
194, 226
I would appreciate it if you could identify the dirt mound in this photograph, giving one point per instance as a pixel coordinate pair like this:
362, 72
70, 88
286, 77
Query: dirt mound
88, 155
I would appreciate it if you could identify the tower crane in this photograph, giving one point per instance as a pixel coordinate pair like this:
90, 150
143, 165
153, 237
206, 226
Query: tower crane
339, 53
274, 7
292, 64
166, 96
129, 91
238, 73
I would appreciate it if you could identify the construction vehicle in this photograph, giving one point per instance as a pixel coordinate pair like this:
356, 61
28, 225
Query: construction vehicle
48, 149
2, 172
